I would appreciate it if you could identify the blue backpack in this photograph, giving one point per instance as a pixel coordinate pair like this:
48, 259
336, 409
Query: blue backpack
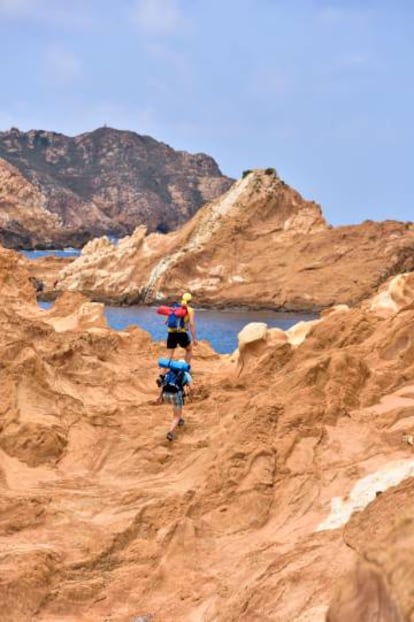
173, 320
173, 381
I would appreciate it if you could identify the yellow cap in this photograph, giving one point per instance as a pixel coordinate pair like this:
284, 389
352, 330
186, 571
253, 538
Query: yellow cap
186, 297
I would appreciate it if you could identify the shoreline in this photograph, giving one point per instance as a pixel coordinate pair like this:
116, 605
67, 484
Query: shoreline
51, 296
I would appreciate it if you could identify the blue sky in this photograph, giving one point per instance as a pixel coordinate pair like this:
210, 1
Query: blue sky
323, 91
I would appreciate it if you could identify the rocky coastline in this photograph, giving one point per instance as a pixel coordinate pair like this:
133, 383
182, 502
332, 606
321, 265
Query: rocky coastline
293, 473
258, 246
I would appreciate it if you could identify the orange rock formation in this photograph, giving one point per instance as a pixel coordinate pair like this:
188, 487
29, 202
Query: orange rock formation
18, 195
259, 244
287, 495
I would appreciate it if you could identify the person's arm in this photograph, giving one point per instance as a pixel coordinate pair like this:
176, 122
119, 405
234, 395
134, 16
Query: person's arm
192, 326
159, 398
187, 386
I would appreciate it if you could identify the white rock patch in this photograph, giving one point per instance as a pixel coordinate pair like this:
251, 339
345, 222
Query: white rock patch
207, 227
365, 491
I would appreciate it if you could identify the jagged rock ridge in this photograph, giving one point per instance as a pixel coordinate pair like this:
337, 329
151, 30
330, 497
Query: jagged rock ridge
260, 244
102, 182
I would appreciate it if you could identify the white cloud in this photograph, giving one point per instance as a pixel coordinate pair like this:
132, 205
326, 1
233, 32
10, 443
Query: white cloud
18, 7
157, 16
331, 15
337, 16
46, 11
354, 59
63, 66
167, 56
275, 82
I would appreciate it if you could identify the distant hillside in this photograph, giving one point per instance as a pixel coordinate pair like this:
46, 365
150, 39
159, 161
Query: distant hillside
67, 190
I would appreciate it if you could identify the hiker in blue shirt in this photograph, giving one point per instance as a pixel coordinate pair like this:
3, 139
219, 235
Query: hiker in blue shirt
173, 392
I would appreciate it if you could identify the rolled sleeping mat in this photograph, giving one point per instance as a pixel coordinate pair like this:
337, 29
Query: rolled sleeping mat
178, 311
164, 310
174, 365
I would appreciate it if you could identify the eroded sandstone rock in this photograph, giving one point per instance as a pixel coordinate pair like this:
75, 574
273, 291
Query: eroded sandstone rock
233, 520
381, 582
260, 245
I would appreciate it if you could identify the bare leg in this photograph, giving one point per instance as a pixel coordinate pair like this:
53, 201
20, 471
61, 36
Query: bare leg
177, 412
170, 353
188, 353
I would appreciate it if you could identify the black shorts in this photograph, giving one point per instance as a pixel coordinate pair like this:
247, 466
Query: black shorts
178, 339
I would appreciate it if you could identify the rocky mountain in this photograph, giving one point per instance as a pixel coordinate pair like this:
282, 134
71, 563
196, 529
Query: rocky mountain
102, 182
287, 495
260, 245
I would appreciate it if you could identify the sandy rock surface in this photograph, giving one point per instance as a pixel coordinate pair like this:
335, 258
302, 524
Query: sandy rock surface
287, 494
17, 191
260, 245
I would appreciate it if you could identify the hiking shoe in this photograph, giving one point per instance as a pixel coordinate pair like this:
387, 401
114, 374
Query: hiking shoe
170, 436
181, 422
